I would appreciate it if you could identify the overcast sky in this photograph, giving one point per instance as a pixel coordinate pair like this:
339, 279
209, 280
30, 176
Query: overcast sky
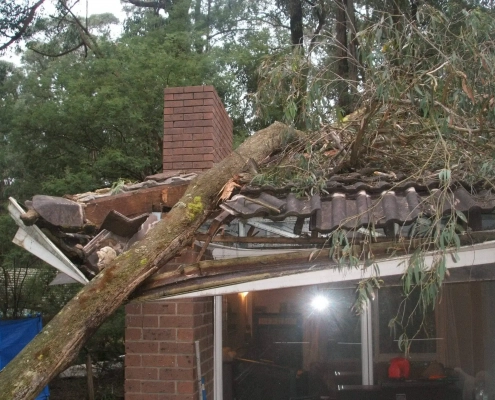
99, 7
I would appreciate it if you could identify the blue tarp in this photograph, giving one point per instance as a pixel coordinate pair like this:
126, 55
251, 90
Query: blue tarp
14, 335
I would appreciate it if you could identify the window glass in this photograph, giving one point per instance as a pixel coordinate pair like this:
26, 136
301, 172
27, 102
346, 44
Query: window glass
290, 342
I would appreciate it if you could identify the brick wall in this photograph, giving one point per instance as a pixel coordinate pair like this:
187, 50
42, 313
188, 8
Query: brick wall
160, 355
197, 129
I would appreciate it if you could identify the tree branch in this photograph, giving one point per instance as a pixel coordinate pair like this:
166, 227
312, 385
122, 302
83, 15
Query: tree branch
56, 55
53, 349
24, 27
148, 4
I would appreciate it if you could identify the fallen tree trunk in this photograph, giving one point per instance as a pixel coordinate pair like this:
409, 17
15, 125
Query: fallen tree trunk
60, 341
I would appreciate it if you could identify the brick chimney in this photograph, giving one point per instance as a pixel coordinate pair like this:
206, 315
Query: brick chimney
159, 336
197, 129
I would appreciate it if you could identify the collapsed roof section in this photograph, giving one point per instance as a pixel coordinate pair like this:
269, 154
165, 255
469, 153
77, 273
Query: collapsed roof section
80, 234
88, 231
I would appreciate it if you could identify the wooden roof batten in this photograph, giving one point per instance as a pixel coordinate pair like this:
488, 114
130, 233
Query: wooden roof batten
209, 274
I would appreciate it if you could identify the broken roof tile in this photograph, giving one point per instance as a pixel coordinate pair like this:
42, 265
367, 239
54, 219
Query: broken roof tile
121, 225
352, 209
59, 211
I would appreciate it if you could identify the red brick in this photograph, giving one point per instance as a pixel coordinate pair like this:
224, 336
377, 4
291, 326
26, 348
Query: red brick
176, 144
185, 361
207, 95
184, 124
186, 387
185, 335
158, 387
133, 333
135, 321
175, 374
208, 143
141, 347
133, 308
183, 96
189, 89
208, 115
208, 102
200, 122
184, 110
132, 386
167, 166
141, 373
159, 334
210, 88
176, 158
182, 165
177, 321
159, 308
158, 360
203, 109
132, 360
184, 150
174, 90
176, 348
174, 103
209, 157
167, 138
173, 132
185, 137
167, 124
194, 130
192, 157
168, 110
192, 103
193, 143
190, 117
168, 96
169, 152
200, 150
174, 118
188, 308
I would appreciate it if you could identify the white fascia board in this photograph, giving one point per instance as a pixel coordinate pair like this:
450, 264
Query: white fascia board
36, 242
478, 254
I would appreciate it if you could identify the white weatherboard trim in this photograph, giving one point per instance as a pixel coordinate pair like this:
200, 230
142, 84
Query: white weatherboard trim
35, 241
478, 254
217, 348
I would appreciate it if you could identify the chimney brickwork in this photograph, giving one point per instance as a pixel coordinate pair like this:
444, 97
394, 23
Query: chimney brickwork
160, 361
197, 129
160, 358
159, 336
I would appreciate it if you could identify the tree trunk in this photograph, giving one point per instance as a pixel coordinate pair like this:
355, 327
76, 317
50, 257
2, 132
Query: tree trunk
342, 60
297, 40
58, 344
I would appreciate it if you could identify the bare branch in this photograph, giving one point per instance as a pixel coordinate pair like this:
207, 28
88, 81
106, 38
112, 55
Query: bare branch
59, 54
24, 27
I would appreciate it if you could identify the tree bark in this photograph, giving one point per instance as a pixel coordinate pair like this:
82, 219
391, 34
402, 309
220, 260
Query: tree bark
341, 52
58, 344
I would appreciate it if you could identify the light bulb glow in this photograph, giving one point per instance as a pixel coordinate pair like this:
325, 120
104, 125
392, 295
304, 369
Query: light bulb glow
320, 303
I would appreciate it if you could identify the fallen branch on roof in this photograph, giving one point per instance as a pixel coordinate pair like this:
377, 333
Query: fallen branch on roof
215, 273
60, 341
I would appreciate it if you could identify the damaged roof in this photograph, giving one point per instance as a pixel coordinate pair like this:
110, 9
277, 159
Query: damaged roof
361, 205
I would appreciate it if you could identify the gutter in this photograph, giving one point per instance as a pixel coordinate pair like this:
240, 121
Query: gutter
37, 243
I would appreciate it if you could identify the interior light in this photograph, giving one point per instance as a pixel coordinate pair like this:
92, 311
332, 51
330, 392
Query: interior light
320, 302
244, 294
